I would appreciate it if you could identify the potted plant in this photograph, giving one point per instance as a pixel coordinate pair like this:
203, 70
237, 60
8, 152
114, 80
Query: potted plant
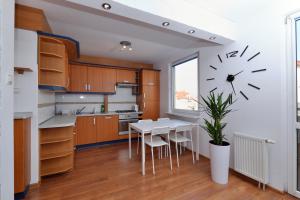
217, 108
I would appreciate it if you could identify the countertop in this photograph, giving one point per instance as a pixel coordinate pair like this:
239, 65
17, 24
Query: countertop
59, 121
22, 115
106, 113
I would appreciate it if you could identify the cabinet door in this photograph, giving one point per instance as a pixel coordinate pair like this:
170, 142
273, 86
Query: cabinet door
150, 110
126, 76
78, 78
107, 128
109, 80
150, 93
150, 77
95, 79
86, 130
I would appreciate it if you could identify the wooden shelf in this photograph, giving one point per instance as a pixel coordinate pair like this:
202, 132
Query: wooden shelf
55, 155
50, 54
51, 40
56, 140
50, 70
21, 70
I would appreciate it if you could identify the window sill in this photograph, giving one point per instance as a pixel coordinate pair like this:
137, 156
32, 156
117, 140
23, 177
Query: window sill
190, 116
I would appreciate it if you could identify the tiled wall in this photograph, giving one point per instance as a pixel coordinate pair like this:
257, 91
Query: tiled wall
46, 105
122, 100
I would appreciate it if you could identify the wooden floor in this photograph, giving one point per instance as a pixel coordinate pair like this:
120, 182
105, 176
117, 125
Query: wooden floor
107, 173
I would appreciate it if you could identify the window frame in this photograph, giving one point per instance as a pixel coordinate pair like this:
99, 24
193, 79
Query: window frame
173, 65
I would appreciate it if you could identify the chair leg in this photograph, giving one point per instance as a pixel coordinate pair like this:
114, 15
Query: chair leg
138, 144
180, 148
171, 165
176, 146
193, 152
158, 151
152, 160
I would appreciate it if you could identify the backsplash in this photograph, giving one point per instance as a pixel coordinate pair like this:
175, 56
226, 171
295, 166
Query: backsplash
122, 100
46, 105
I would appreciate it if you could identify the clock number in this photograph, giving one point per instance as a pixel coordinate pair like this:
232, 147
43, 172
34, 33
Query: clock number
213, 67
244, 51
213, 90
244, 95
253, 56
220, 59
251, 85
232, 54
259, 70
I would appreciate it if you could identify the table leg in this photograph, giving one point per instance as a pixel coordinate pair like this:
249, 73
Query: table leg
129, 141
198, 144
143, 154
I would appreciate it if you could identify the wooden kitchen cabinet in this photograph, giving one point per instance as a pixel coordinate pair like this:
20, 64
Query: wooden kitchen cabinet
107, 128
78, 76
126, 76
149, 97
86, 130
92, 79
22, 158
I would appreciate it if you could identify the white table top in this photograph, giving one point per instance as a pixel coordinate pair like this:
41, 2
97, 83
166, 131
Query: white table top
147, 127
59, 121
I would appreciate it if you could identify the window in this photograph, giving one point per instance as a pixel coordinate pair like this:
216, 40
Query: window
185, 84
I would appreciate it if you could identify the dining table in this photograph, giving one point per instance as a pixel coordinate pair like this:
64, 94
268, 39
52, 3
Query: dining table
146, 128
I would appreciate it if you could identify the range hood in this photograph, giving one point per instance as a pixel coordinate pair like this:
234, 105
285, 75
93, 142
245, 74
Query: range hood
126, 85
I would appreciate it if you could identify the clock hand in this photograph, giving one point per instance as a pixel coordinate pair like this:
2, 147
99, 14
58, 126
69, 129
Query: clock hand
232, 87
238, 73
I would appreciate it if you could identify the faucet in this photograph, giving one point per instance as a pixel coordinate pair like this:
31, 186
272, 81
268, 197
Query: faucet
80, 110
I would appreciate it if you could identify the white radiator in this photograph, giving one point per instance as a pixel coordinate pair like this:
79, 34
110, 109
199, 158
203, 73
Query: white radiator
251, 157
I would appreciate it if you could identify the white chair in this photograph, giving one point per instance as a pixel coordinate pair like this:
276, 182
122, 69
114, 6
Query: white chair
154, 140
139, 135
164, 119
179, 138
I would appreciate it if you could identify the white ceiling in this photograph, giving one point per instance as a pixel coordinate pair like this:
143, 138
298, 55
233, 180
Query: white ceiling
233, 10
99, 34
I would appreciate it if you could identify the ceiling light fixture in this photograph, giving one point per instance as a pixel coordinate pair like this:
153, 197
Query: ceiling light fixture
165, 24
191, 31
126, 45
212, 38
106, 6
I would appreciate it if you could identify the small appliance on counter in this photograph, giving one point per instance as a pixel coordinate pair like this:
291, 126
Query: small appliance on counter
135, 107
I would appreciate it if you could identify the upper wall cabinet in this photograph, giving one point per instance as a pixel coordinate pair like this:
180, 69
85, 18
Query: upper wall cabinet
126, 76
92, 79
150, 77
53, 62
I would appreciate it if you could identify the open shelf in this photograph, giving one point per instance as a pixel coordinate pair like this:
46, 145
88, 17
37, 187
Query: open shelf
50, 70
56, 140
57, 165
50, 54
51, 40
55, 155
21, 70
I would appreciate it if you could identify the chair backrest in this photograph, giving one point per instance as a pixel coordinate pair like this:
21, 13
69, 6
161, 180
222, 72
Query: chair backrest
163, 119
145, 121
160, 131
184, 128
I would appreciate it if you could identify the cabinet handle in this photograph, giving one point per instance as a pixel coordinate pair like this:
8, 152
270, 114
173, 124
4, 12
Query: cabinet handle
144, 95
107, 117
89, 87
115, 88
125, 81
144, 104
151, 83
94, 121
86, 87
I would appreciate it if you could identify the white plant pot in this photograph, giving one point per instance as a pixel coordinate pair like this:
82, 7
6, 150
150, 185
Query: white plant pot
219, 162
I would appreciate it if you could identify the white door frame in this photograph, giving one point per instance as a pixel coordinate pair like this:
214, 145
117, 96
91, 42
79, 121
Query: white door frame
292, 124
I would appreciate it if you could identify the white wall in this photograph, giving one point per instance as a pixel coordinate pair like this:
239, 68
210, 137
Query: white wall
263, 115
26, 89
6, 99
46, 105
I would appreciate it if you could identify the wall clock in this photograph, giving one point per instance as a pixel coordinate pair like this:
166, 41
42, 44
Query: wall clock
231, 75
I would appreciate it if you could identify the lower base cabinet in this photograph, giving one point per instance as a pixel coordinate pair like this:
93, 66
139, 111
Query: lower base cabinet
22, 138
56, 150
93, 129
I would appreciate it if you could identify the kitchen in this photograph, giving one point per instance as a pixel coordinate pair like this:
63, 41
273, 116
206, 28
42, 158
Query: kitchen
94, 79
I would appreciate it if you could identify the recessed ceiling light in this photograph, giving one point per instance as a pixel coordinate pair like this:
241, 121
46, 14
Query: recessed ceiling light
166, 23
212, 38
106, 6
126, 45
191, 31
